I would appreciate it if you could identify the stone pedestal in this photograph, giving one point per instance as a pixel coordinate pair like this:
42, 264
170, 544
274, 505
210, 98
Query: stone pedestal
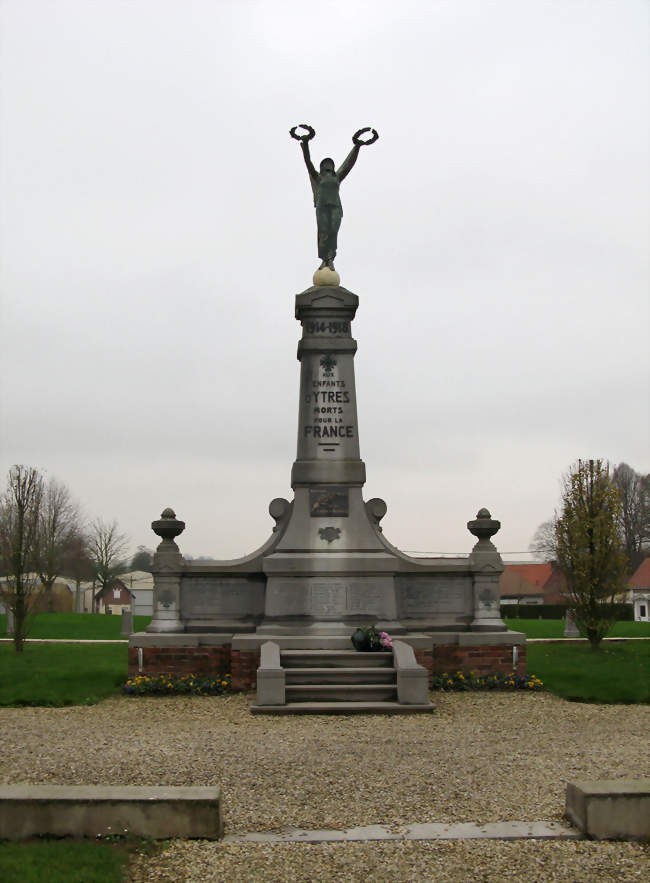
487, 567
167, 569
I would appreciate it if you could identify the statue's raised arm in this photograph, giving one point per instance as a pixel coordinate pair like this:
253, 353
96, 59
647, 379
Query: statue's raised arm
325, 185
351, 158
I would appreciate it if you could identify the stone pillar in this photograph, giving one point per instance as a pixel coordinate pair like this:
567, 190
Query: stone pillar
330, 569
487, 566
328, 433
167, 568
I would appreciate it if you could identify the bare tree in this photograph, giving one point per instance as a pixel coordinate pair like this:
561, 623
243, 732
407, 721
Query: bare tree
59, 523
76, 562
634, 521
20, 508
543, 543
106, 549
142, 560
590, 551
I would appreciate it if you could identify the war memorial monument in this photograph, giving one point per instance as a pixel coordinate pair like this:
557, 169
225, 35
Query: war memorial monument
282, 617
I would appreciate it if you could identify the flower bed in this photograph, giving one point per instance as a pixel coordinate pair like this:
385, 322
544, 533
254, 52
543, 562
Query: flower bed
171, 685
459, 681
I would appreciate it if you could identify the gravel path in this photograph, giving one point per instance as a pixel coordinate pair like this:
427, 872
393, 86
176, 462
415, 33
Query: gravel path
462, 861
480, 757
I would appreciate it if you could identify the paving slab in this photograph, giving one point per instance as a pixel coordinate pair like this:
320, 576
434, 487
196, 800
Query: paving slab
463, 831
371, 832
493, 831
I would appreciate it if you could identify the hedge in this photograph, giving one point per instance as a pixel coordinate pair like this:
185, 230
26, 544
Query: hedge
624, 612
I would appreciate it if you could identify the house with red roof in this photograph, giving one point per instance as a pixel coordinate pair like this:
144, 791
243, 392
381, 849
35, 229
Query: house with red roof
532, 583
639, 591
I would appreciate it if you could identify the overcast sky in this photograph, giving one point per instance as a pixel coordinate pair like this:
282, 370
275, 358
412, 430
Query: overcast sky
157, 222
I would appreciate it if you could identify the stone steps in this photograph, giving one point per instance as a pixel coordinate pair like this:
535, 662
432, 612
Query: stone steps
337, 681
347, 707
334, 659
340, 675
342, 692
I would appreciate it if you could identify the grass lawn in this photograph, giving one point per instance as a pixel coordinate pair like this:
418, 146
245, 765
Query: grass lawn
98, 626
615, 673
62, 861
554, 628
61, 674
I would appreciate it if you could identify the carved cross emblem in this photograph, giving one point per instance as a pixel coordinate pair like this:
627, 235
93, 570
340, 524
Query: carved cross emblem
327, 364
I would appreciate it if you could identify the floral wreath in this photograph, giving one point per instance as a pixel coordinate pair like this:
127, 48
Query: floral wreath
356, 138
307, 137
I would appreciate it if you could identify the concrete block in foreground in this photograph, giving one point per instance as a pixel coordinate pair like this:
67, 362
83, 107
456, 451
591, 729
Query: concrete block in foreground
614, 809
160, 812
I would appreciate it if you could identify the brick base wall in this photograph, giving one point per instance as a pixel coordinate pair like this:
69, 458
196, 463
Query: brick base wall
483, 659
202, 660
244, 669
243, 664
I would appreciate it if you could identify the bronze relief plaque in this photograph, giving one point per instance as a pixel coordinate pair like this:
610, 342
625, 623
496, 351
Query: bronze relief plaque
328, 502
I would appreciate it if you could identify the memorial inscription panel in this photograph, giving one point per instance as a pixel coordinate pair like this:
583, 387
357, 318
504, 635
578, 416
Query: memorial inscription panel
431, 595
330, 418
327, 417
212, 595
327, 598
365, 598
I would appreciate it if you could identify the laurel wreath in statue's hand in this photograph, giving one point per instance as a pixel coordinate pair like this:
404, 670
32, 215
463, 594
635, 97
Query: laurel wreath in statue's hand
356, 138
307, 137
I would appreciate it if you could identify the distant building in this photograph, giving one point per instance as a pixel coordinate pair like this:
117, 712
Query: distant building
62, 596
113, 599
639, 591
532, 583
140, 584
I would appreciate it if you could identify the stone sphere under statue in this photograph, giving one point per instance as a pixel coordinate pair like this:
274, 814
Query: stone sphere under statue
326, 276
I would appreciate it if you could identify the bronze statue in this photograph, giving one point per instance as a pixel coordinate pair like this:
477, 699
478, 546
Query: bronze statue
325, 185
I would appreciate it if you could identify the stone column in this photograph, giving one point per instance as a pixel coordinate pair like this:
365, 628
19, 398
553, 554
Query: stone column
330, 569
167, 568
328, 433
487, 566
